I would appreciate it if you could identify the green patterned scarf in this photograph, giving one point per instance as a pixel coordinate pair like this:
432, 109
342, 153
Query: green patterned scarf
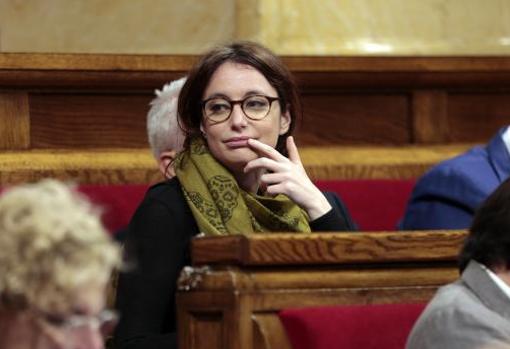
220, 207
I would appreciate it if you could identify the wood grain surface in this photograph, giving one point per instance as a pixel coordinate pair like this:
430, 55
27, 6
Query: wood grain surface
88, 120
106, 166
14, 121
337, 248
336, 119
249, 279
133, 62
477, 113
94, 101
137, 166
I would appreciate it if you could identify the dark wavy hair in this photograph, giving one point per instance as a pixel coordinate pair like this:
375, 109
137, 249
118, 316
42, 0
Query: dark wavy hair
488, 241
243, 52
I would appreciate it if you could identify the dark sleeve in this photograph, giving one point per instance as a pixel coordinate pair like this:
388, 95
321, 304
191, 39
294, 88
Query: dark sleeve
436, 213
444, 198
336, 219
157, 242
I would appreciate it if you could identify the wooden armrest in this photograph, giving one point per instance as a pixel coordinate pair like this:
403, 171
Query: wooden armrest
333, 248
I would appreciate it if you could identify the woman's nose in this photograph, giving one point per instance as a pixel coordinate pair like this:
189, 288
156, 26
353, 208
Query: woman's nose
238, 119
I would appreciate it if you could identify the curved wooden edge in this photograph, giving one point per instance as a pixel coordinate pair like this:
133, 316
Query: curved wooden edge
125, 166
95, 62
269, 332
160, 62
375, 162
329, 248
136, 72
101, 166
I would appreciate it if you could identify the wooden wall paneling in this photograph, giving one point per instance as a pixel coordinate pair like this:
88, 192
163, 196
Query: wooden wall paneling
477, 116
88, 120
430, 117
335, 118
14, 121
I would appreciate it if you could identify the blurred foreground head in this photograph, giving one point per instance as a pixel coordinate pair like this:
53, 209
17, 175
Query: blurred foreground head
55, 262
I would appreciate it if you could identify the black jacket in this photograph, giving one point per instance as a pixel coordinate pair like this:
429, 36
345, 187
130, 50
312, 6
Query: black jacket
157, 242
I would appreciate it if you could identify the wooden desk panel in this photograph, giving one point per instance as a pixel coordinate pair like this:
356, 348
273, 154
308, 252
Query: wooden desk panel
231, 297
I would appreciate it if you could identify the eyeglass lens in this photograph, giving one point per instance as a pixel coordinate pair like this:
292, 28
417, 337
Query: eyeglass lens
254, 107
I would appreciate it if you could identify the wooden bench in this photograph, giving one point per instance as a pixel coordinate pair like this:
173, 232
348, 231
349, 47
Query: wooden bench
231, 296
82, 116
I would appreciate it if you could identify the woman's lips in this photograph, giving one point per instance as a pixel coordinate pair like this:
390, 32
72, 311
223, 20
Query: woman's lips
237, 142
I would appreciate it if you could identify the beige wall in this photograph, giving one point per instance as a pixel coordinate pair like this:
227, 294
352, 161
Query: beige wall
115, 26
389, 26
336, 27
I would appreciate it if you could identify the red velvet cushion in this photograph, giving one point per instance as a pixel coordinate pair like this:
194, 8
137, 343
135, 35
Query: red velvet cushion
118, 202
374, 204
381, 326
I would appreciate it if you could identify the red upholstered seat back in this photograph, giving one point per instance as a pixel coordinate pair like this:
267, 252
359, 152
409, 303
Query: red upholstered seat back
378, 326
118, 202
374, 204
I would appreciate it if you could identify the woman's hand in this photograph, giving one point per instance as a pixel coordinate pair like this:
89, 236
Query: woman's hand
287, 176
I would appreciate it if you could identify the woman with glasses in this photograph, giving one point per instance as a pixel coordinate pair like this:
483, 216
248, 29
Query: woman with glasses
239, 173
55, 263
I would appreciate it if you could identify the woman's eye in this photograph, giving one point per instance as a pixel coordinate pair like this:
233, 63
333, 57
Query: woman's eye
218, 107
256, 103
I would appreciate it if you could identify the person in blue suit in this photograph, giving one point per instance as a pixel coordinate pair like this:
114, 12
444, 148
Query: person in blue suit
447, 196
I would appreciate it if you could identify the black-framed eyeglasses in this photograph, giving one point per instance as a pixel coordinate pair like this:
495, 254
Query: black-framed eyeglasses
255, 107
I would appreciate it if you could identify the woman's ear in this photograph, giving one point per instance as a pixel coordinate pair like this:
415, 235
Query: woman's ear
285, 121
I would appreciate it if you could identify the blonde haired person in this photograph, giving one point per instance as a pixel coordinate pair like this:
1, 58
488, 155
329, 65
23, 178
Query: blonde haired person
165, 136
55, 262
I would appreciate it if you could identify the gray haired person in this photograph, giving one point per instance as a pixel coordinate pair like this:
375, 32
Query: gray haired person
165, 136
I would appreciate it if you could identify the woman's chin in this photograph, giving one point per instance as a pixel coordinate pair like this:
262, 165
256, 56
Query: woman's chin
237, 159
